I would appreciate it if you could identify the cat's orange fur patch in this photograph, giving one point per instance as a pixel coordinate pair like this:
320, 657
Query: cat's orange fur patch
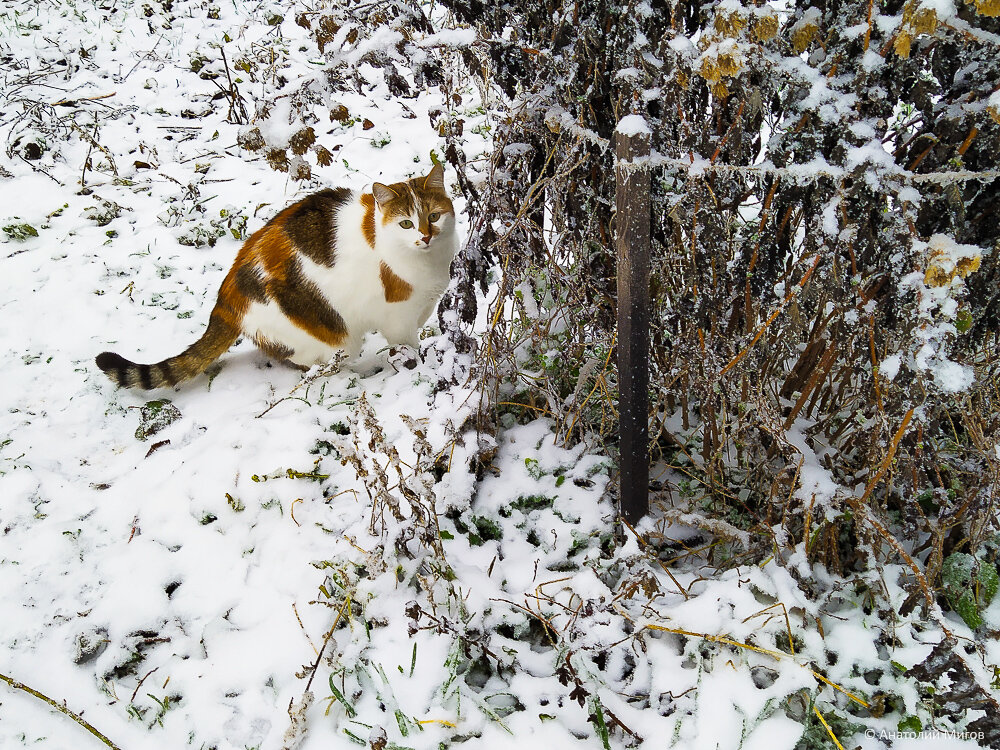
275, 249
402, 206
395, 288
368, 220
232, 303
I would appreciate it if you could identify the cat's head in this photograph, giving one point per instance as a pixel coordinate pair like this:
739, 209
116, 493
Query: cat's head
416, 214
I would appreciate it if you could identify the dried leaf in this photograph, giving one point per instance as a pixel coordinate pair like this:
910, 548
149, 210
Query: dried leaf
300, 142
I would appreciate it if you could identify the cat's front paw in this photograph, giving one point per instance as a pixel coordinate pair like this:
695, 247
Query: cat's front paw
404, 355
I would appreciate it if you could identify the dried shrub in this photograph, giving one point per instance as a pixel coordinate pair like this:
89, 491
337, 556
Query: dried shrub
824, 275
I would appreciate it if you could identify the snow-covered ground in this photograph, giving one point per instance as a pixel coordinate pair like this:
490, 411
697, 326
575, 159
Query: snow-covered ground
183, 587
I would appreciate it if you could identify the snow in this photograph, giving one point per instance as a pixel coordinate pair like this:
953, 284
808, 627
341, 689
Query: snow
99, 530
945, 9
872, 60
952, 377
816, 483
873, 152
889, 367
831, 219
450, 38
698, 165
681, 45
633, 125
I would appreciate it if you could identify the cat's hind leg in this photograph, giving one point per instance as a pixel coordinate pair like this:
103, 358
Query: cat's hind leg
273, 349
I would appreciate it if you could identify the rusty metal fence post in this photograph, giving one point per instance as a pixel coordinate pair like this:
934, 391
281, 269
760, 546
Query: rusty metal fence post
632, 205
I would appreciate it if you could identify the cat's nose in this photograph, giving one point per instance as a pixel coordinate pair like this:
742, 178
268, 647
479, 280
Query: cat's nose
427, 239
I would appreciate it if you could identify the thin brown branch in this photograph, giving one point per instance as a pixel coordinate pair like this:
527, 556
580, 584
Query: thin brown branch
60, 708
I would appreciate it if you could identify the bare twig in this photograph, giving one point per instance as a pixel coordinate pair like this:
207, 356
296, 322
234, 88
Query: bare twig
60, 708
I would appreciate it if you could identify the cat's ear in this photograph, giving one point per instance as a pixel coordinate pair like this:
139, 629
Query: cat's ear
383, 193
435, 179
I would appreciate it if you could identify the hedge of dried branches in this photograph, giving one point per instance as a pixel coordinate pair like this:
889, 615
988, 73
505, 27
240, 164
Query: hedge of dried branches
822, 353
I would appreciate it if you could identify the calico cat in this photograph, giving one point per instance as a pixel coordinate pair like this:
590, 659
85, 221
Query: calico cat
320, 275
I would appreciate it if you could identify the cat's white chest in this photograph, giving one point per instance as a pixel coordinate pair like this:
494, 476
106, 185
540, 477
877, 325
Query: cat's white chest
351, 286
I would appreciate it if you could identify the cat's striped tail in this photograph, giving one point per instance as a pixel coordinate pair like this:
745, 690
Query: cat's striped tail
218, 337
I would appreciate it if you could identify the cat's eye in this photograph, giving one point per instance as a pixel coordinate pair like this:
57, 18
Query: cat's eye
406, 224
434, 216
